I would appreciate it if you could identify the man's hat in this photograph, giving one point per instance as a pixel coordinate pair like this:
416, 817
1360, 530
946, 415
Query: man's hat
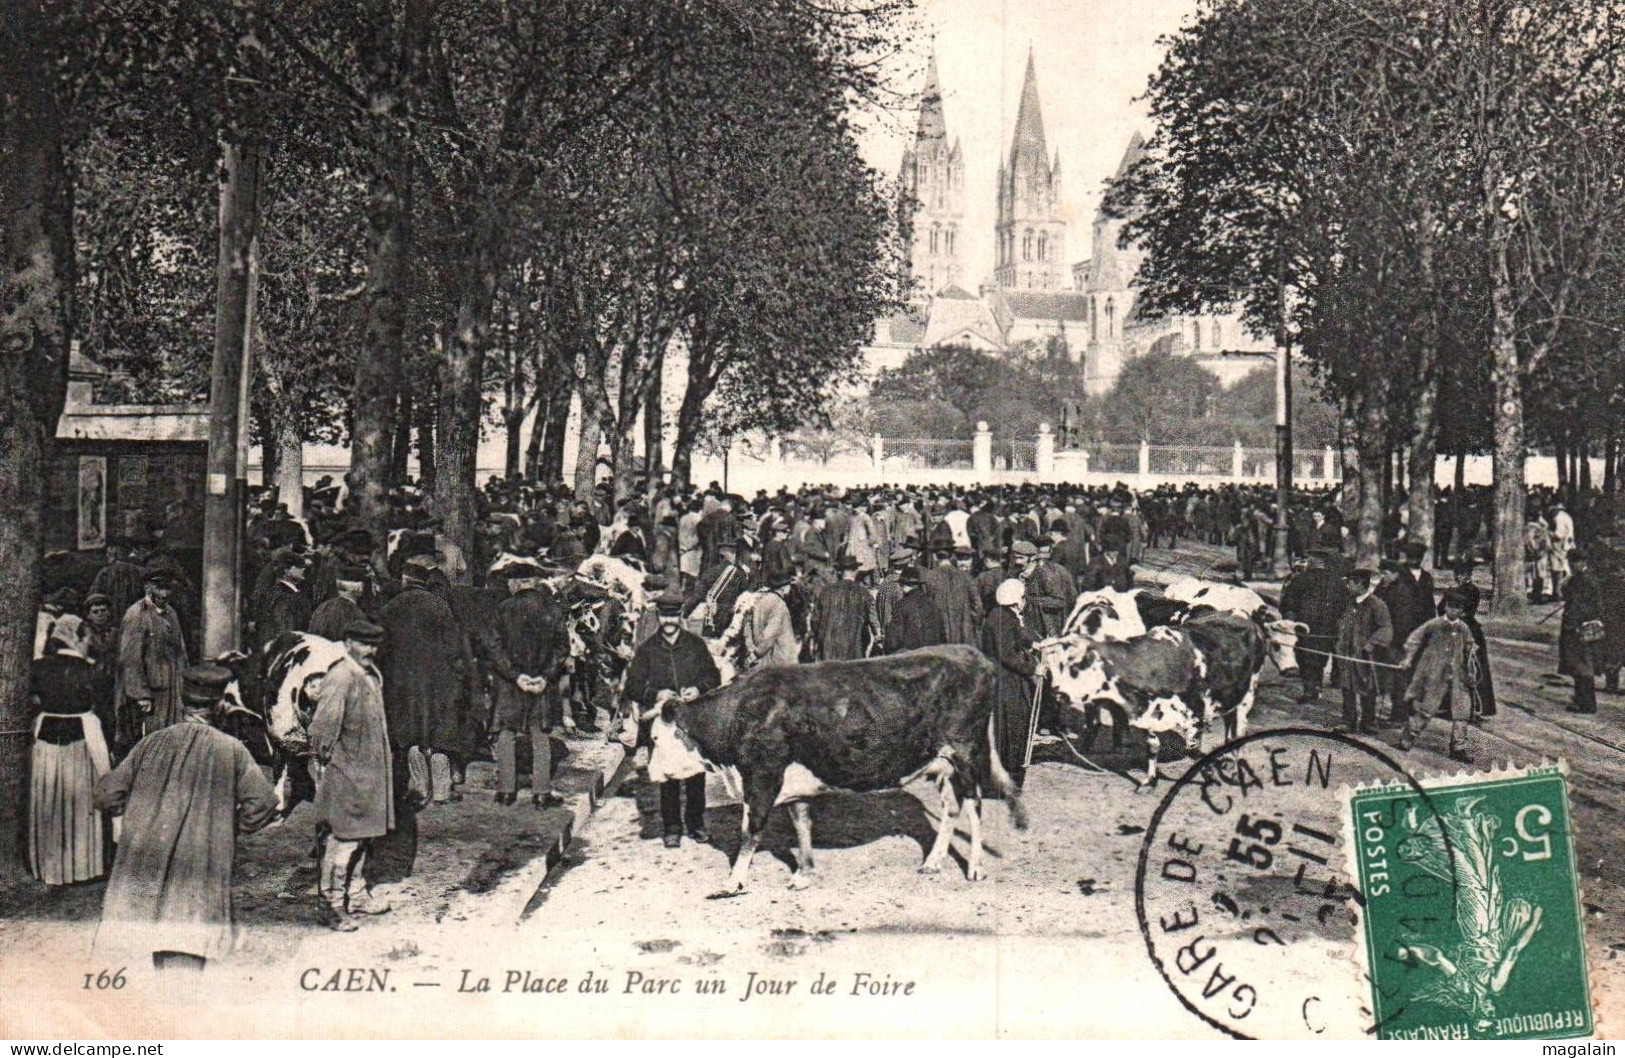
524, 569
1388, 565
356, 540
1023, 549
1414, 549
669, 603
846, 562
1321, 552
162, 576
1360, 573
910, 575
964, 551
205, 684
97, 597
363, 631
780, 579
64, 597
422, 563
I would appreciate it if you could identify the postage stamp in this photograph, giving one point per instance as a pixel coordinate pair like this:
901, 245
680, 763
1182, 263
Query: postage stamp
1472, 923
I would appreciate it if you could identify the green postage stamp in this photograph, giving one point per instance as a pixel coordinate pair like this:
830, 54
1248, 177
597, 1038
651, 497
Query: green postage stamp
1472, 925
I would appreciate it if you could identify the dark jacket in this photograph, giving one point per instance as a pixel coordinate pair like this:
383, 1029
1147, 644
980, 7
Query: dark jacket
657, 666
1365, 632
1582, 602
423, 665
840, 622
530, 641
1009, 645
915, 622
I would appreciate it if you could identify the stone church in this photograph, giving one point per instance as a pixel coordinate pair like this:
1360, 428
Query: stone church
1034, 295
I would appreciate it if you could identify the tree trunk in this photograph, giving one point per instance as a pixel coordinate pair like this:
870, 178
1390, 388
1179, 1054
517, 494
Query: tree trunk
400, 449
1585, 464
689, 420
513, 425
592, 432
1610, 453
538, 432
1507, 377
378, 372
1376, 465
1424, 425
423, 412
558, 434
654, 434
462, 394
269, 453
1458, 510
36, 309
290, 464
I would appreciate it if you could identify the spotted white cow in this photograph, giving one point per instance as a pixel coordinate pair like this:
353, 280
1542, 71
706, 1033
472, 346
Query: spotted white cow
1106, 614
1243, 601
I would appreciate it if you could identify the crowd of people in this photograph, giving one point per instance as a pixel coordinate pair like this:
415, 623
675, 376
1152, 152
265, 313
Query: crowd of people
449, 658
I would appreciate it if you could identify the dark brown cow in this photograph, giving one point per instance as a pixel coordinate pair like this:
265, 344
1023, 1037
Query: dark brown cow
794, 731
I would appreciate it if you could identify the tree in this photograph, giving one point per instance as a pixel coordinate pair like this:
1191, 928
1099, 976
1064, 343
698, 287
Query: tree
1155, 394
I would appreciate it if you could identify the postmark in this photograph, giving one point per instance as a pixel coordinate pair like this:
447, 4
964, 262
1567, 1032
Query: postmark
1245, 895
1473, 926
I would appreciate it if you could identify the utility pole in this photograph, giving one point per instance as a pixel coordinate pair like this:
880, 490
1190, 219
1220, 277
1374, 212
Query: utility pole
228, 404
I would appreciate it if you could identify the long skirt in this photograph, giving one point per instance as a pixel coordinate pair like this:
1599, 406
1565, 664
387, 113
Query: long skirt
64, 825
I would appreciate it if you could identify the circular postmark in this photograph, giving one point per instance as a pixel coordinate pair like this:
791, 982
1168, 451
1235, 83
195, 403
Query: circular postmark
1244, 894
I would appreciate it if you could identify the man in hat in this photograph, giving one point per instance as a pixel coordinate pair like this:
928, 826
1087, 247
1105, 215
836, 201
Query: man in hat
425, 670
777, 557
331, 618
953, 589
1364, 635
151, 656
1114, 532
674, 662
840, 616
916, 621
355, 798
1070, 550
1107, 569
1537, 546
533, 648
860, 536
1562, 543
1441, 660
1408, 592
1316, 597
185, 792
1581, 632
121, 580
284, 606
1050, 593
717, 590
770, 637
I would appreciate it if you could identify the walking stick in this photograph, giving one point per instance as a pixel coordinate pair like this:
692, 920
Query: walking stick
1032, 723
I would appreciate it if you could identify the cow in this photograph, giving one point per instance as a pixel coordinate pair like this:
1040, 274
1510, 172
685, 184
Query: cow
295, 663
1244, 602
1107, 614
794, 731
1175, 679
617, 575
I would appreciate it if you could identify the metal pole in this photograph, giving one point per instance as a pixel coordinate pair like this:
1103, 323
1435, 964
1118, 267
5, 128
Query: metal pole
233, 327
1283, 434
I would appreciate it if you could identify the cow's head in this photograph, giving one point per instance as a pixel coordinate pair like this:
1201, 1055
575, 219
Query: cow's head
1281, 640
296, 664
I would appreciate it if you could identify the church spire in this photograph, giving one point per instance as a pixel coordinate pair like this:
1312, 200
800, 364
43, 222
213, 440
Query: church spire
933, 125
1029, 118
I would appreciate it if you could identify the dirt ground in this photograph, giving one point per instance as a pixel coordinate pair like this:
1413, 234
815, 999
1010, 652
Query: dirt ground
1048, 946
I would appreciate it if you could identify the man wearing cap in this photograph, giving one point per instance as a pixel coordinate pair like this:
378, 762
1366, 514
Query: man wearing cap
673, 663
1363, 636
185, 792
840, 616
1114, 530
1316, 597
349, 740
120, 580
151, 655
533, 648
955, 593
424, 668
916, 621
770, 637
1050, 592
1409, 595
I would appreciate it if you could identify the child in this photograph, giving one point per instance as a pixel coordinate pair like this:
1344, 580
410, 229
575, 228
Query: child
1442, 661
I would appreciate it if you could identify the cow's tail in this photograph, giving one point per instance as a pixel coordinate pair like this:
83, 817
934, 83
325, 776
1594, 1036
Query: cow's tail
1001, 779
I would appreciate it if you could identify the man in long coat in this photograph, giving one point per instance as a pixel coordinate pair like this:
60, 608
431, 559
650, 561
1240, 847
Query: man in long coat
1364, 633
840, 617
953, 589
285, 606
185, 792
151, 655
1317, 598
1050, 594
1582, 605
770, 638
424, 668
916, 621
121, 580
1442, 661
530, 626
349, 739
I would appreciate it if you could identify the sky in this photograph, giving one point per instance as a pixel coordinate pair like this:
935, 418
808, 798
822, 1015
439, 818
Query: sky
1094, 58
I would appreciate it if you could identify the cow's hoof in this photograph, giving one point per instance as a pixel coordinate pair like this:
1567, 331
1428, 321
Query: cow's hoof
727, 894
798, 883
1145, 788
975, 874
930, 868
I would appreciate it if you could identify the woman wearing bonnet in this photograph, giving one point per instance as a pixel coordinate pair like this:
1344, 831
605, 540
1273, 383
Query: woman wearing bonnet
69, 757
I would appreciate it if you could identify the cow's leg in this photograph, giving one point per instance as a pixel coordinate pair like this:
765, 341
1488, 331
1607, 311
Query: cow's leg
1153, 749
945, 826
801, 816
972, 807
760, 794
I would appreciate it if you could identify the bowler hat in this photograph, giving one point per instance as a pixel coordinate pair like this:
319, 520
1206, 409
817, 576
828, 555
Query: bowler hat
1360, 573
1023, 548
205, 684
910, 575
364, 632
669, 603
1414, 549
162, 576
422, 563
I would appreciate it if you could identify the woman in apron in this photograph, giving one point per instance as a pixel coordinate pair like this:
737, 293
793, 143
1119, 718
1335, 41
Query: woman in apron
70, 756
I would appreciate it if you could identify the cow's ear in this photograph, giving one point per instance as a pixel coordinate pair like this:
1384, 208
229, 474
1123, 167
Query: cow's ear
1091, 624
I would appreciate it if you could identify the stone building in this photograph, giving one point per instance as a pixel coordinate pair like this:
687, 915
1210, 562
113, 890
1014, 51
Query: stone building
933, 177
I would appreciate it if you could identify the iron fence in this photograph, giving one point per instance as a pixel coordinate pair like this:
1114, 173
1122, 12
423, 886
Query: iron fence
924, 454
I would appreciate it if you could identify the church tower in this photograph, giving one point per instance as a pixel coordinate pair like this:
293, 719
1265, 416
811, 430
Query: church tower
933, 177
1030, 253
